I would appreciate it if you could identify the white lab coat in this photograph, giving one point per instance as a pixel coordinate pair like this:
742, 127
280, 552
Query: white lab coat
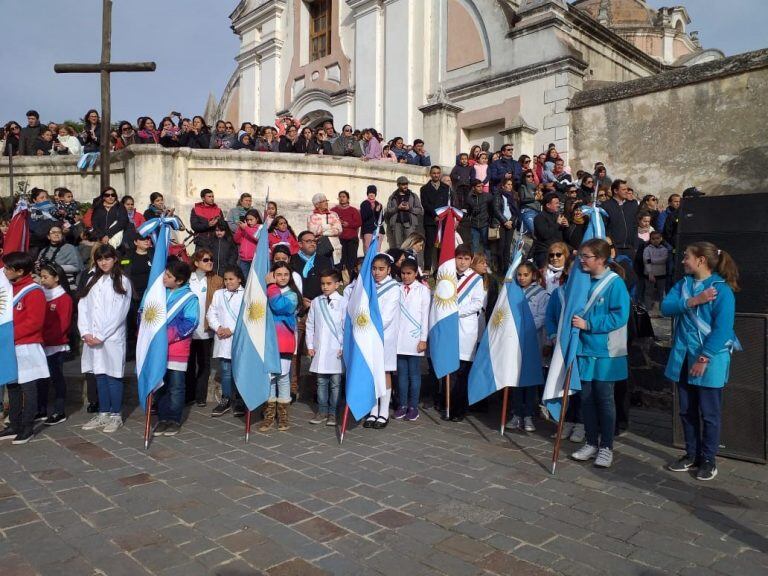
389, 306
470, 306
414, 318
223, 313
102, 314
324, 337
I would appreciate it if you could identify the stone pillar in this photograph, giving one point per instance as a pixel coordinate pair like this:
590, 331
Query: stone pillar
270, 95
521, 135
250, 81
369, 54
557, 122
440, 130
398, 68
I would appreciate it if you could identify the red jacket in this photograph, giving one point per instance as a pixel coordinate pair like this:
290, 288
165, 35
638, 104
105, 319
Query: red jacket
245, 238
274, 239
28, 314
58, 320
351, 216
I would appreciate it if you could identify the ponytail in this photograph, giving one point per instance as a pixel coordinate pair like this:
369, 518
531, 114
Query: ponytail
718, 261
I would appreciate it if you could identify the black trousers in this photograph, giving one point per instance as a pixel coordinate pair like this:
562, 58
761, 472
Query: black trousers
459, 380
22, 405
349, 254
622, 392
430, 233
503, 246
198, 370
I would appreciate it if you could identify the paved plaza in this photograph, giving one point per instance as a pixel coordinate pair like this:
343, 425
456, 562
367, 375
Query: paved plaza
421, 498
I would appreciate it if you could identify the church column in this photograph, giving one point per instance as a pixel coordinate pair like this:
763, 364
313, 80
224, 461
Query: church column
250, 80
369, 53
440, 129
521, 135
270, 96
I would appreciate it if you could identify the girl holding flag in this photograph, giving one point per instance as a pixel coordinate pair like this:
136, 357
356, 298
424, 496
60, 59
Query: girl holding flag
702, 306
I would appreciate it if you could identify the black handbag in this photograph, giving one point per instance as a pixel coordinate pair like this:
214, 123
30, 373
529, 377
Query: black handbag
640, 323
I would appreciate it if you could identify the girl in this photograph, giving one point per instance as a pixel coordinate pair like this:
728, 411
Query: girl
280, 232
223, 248
644, 227
370, 214
245, 238
481, 170
101, 312
702, 305
284, 298
134, 216
270, 214
58, 320
222, 319
602, 353
524, 398
553, 275
183, 317
388, 292
413, 246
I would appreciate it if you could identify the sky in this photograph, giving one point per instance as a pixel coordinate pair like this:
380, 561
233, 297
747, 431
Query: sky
194, 48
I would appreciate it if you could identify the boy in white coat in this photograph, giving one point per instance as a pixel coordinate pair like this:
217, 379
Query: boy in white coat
325, 339
411, 339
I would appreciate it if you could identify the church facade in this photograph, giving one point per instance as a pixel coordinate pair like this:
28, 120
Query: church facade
452, 72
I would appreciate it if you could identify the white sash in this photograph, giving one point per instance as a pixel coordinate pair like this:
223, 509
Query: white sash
602, 285
177, 306
24, 291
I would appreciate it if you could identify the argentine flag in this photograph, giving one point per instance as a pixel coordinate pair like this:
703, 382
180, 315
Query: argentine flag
567, 341
364, 341
8, 367
152, 341
255, 356
444, 311
508, 353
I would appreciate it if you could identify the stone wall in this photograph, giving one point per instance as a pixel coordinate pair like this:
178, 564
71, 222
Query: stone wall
181, 173
701, 126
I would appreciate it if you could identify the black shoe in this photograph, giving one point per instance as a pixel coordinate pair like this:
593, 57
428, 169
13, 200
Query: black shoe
239, 409
707, 471
24, 436
160, 429
682, 464
224, 406
172, 429
54, 419
380, 423
457, 418
92, 408
369, 422
294, 397
8, 434
41, 416
201, 403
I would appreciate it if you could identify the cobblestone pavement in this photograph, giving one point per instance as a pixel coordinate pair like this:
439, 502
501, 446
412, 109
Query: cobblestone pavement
419, 498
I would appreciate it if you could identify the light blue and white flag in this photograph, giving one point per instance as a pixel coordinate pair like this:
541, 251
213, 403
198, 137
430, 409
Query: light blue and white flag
364, 341
255, 355
508, 353
8, 367
152, 341
567, 340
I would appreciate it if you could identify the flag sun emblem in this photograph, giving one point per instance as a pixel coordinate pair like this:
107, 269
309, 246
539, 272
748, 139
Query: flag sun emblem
257, 310
499, 318
445, 291
152, 314
362, 320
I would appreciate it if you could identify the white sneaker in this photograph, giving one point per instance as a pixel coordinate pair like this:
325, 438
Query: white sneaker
515, 423
578, 433
604, 458
99, 421
114, 422
567, 429
528, 424
586, 452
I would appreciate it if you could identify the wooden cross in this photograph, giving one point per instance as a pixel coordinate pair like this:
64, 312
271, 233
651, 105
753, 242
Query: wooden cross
105, 68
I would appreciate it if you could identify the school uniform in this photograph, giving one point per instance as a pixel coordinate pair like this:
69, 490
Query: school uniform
471, 297
524, 397
196, 380
705, 330
223, 313
58, 320
325, 335
413, 328
388, 292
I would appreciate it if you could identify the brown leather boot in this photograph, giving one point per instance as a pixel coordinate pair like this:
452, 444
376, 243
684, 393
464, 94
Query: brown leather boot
282, 416
269, 417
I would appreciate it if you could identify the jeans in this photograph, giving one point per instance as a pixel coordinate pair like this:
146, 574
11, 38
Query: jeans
280, 388
327, 403
110, 393
56, 368
198, 369
528, 215
598, 412
408, 380
349, 254
225, 371
480, 241
700, 414
22, 404
170, 397
245, 266
524, 401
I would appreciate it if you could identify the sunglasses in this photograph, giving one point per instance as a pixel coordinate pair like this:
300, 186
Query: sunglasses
527, 161
109, 195
206, 260
556, 255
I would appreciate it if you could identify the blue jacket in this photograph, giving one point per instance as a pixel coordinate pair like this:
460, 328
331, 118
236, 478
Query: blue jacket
689, 342
498, 168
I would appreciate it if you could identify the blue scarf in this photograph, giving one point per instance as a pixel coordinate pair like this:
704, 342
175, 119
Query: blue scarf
309, 263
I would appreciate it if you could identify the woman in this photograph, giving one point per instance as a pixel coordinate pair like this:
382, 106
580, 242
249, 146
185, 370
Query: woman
62, 254
267, 142
398, 149
555, 272
346, 144
67, 142
350, 226
538, 168
109, 219
370, 216
203, 284
650, 204
474, 155
371, 145
147, 133
530, 200
577, 223
134, 216
169, 133
504, 217
156, 207
289, 140
280, 233
220, 139
587, 189
306, 143
198, 136
126, 135
12, 134
90, 137
42, 215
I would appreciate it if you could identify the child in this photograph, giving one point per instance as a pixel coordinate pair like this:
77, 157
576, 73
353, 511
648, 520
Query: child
222, 319
387, 289
471, 296
245, 238
411, 339
602, 352
67, 209
325, 339
28, 322
58, 320
524, 398
280, 233
182, 317
655, 258
702, 305
284, 298
101, 312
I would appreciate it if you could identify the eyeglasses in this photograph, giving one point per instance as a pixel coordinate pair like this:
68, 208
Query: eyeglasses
313, 241
347, 129
206, 260
586, 256
16, 128
109, 195
556, 254
55, 232
528, 161
127, 129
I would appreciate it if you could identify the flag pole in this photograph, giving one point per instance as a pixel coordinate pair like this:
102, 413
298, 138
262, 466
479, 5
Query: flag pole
147, 421
344, 424
447, 396
504, 404
563, 410
247, 426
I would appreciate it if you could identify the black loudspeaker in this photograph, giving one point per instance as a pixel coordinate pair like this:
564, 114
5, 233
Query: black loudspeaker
736, 223
744, 433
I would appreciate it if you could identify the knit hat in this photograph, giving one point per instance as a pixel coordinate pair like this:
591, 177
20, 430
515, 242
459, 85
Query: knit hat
402, 180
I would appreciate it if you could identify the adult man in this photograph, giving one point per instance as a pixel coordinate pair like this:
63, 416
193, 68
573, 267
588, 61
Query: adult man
403, 213
673, 205
558, 180
622, 219
505, 167
237, 213
433, 195
478, 206
203, 219
326, 226
30, 134
330, 137
308, 264
418, 156
548, 228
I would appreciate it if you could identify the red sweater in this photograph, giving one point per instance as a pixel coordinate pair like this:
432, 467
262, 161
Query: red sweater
58, 320
351, 216
28, 314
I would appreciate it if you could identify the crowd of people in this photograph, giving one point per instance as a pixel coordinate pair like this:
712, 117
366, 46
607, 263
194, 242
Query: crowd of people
93, 267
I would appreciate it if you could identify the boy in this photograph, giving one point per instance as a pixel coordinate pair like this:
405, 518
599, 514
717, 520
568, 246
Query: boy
28, 319
325, 337
471, 296
67, 209
655, 258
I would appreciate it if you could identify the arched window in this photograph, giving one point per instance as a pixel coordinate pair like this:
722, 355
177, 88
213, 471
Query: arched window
319, 29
